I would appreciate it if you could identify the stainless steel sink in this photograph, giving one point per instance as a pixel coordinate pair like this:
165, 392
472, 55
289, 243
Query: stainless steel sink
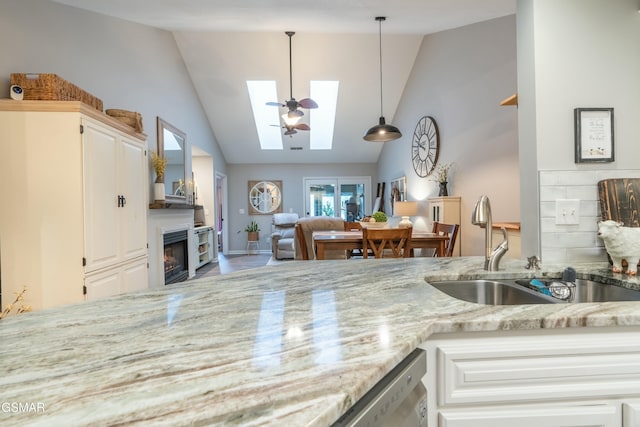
515, 291
592, 291
491, 292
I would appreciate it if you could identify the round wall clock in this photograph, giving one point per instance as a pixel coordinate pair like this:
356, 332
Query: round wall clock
425, 146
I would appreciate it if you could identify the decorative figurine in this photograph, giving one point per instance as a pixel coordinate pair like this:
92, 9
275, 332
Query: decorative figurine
621, 243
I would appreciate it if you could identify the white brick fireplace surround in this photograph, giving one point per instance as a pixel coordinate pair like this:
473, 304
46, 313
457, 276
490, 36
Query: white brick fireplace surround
574, 242
161, 222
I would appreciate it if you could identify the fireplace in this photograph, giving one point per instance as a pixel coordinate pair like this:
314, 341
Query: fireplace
176, 257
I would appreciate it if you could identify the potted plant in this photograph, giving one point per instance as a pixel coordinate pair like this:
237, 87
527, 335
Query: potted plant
159, 165
377, 219
441, 176
252, 230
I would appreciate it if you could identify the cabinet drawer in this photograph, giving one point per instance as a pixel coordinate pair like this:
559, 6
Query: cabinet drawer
534, 368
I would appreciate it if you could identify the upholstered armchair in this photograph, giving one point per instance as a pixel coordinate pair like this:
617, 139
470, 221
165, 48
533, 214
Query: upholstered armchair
283, 235
304, 231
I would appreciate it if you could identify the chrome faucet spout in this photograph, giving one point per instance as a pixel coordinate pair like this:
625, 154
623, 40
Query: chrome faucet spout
482, 217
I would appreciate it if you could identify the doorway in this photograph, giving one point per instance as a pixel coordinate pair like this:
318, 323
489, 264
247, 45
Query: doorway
341, 197
221, 212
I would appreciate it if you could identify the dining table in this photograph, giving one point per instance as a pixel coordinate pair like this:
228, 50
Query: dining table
348, 240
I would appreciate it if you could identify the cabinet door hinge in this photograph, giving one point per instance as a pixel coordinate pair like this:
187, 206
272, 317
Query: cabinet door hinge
81, 129
84, 289
84, 261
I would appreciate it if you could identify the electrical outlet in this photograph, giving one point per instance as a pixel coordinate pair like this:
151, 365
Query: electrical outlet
567, 211
241, 211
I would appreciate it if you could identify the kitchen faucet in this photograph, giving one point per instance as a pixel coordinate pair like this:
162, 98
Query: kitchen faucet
482, 217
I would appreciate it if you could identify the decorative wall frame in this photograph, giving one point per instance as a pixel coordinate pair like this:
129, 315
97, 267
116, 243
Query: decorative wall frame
398, 190
265, 197
594, 138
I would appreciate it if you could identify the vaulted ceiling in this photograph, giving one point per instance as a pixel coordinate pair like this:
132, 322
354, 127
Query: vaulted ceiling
224, 43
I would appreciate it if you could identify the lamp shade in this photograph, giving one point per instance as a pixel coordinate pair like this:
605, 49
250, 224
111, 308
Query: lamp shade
405, 208
382, 132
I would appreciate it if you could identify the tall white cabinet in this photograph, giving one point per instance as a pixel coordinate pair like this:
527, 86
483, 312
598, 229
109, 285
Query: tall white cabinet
73, 222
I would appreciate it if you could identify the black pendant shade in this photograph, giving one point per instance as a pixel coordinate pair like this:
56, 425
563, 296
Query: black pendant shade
382, 132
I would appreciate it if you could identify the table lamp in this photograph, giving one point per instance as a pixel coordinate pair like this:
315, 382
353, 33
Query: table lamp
405, 210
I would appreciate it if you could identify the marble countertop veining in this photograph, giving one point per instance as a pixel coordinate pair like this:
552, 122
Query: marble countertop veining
294, 344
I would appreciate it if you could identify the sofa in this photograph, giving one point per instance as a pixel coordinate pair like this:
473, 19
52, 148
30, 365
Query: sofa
307, 226
283, 235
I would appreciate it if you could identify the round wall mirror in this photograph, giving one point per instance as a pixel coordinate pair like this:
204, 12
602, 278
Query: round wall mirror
265, 197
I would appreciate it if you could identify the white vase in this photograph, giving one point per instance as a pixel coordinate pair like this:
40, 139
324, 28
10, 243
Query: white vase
158, 191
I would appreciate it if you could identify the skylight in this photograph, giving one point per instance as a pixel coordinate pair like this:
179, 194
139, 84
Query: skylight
267, 118
322, 119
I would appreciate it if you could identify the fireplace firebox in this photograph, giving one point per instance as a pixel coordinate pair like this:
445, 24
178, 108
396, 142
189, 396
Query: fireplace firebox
176, 257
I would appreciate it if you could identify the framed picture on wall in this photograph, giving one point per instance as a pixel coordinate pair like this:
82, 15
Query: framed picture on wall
593, 129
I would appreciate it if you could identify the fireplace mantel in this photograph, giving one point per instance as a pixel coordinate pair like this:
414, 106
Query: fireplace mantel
169, 205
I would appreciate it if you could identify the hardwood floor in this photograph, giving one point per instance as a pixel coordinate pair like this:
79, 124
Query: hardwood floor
231, 263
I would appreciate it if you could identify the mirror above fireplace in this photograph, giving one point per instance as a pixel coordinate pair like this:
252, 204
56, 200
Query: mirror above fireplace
172, 145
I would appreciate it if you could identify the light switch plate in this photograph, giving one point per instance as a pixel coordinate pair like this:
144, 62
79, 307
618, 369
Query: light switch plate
567, 211
241, 211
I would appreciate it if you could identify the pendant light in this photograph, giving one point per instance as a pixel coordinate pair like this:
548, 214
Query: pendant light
382, 132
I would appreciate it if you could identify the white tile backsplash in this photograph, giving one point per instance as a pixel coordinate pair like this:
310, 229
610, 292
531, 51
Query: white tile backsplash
573, 243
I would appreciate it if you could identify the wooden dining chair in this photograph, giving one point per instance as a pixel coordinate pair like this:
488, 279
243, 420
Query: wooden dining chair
353, 226
395, 242
449, 230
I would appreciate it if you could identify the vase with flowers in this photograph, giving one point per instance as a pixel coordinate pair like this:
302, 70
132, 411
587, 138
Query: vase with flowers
441, 176
159, 165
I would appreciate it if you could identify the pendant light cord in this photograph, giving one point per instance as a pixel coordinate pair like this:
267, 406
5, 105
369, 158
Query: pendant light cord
290, 34
380, 19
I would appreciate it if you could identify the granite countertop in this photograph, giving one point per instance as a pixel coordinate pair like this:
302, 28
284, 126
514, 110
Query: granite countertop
292, 344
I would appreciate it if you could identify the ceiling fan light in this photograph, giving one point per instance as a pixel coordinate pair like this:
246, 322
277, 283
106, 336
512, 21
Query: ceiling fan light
382, 132
290, 120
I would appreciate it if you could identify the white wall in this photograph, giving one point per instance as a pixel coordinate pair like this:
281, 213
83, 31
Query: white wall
578, 53
292, 194
459, 78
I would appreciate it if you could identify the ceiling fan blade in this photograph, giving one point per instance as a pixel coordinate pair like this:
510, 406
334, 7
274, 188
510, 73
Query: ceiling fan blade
307, 103
302, 126
275, 104
295, 113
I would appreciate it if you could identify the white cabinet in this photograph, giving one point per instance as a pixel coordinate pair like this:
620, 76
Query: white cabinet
589, 414
542, 378
75, 211
204, 245
446, 210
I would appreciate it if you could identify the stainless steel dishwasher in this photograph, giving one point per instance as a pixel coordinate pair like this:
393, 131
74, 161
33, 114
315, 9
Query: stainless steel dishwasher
398, 400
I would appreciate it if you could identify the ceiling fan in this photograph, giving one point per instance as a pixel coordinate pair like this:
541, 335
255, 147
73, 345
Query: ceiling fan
292, 129
294, 114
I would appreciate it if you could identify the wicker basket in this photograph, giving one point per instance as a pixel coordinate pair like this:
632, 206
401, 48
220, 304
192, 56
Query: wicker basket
131, 118
50, 87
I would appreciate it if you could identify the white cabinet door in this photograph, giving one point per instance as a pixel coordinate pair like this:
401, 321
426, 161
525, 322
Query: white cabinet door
135, 275
102, 285
100, 160
595, 415
631, 414
115, 197
132, 174
127, 277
